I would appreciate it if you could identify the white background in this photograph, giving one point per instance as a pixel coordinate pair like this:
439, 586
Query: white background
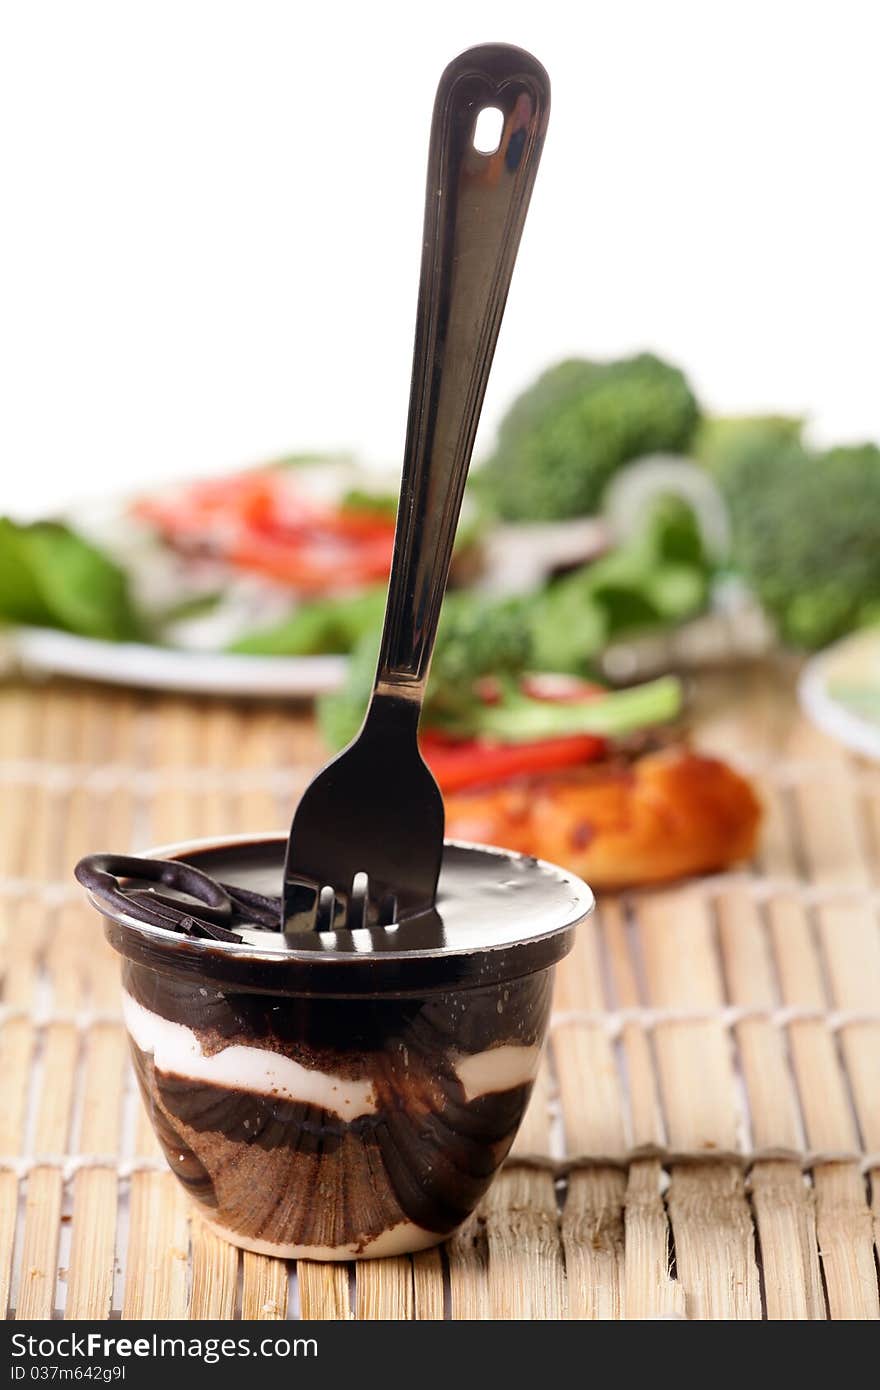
212, 213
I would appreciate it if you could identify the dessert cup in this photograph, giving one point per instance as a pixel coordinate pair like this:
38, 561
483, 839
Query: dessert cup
353, 1097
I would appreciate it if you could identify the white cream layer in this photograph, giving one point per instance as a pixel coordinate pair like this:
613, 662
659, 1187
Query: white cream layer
176, 1049
499, 1069
402, 1239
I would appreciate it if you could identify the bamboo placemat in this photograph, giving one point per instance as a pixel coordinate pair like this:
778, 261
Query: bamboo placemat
705, 1136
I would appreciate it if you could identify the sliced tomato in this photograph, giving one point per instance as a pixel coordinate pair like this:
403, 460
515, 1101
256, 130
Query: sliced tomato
474, 763
313, 567
261, 523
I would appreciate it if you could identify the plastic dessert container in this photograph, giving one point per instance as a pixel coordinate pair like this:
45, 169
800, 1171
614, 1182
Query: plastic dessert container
353, 1097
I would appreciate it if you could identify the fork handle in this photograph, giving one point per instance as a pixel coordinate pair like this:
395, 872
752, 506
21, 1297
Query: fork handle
474, 213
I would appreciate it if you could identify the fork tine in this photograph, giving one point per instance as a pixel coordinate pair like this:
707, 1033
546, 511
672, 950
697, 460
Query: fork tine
359, 902
301, 901
331, 911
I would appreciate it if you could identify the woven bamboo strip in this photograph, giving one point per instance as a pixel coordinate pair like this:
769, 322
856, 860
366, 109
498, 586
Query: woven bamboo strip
10, 829
850, 936
593, 1120
467, 1253
783, 1206
861, 1051
324, 1290
846, 1235
74, 936
521, 1218
78, 836
384, 1289
714, 1241
264, 1288
221, 734
299, 743
646, 1119
589, 1084
39, 1256
214, 1274
526, 1274
106, 1059
786, 1220
8, 1219
834, 854
17, 733
158, 1241
18, 739
177, 730
649, 1291
593, 1238
41, 847
428, 1286
29, 924
92, 1245
842, 1219
16, 1049
95, 1190
60, 1052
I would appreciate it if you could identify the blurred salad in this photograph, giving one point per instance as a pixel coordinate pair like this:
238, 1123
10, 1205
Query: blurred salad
291, 559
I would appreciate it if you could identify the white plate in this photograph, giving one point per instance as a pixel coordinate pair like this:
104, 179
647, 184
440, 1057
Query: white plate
164, 668
855, 659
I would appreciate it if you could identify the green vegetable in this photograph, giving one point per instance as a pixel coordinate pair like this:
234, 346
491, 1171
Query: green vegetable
661, 576
185, 609
307, 459
377, 504
478, 638
563, 438
805, 533
722, 440
319, 627
52, 577
517, 718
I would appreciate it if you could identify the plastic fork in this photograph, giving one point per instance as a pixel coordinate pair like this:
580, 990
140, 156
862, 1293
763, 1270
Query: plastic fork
366, 842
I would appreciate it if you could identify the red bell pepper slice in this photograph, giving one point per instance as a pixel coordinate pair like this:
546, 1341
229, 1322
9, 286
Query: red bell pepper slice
473, 762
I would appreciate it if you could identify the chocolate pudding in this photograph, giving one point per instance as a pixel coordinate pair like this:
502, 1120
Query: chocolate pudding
352, 1095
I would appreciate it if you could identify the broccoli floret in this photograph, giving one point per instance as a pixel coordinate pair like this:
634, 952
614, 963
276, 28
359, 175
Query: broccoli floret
805, 534
476, 637
565, 436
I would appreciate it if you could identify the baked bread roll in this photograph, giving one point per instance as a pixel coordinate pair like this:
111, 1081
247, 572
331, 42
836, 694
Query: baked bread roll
619, 823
